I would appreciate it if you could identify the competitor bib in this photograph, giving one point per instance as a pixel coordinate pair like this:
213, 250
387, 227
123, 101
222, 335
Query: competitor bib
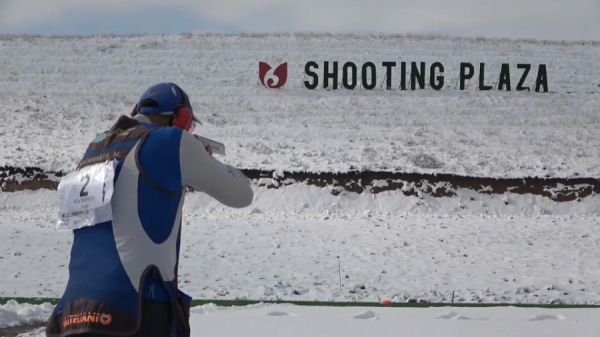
84, 196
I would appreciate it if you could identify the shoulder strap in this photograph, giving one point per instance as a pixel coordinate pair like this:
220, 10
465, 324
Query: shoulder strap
146, 175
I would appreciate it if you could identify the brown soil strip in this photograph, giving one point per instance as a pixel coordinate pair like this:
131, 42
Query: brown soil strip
410, 184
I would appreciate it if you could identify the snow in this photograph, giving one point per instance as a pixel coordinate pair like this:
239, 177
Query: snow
293, 241
290, 320
288, 244
14, 314
58, 92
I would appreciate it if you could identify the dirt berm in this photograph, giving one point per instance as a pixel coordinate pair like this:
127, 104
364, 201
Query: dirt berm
439, 185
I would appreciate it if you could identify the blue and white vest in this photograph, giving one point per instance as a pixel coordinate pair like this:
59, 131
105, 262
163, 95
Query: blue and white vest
136, 255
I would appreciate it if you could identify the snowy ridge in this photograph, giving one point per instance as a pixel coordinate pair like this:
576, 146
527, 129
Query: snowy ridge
316, 35
14, 314
311, 200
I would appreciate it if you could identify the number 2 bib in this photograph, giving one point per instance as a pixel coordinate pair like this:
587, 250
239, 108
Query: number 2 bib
84, 196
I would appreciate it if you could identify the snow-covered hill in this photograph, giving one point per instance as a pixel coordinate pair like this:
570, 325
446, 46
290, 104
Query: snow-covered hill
56, 93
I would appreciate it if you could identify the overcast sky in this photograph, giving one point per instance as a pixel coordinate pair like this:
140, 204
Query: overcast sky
539, 19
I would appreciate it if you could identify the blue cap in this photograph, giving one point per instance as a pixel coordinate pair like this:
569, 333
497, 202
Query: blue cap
164, 99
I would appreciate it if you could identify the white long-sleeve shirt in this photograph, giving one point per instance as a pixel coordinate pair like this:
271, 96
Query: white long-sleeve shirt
204, 173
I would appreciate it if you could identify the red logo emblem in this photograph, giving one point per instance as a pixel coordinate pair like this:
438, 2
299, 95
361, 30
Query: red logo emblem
105, 319
275, 79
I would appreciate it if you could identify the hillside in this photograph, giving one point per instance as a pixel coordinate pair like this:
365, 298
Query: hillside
58, 92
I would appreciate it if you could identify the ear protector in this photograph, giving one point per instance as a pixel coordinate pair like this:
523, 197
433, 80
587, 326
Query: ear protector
182, 117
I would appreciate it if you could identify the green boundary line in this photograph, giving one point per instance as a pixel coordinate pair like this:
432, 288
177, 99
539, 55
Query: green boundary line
230, 303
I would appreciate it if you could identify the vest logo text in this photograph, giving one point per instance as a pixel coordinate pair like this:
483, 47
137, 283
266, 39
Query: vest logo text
85, 318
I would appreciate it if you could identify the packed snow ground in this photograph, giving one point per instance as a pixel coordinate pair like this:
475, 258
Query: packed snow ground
57, 93
289, 243
296, 321
14, 314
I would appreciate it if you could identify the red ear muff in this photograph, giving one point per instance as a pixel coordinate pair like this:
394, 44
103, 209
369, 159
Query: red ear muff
183, 119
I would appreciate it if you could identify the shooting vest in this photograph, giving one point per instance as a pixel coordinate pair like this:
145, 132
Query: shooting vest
111, 260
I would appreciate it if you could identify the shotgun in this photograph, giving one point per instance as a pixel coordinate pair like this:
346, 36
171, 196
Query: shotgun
216, 147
